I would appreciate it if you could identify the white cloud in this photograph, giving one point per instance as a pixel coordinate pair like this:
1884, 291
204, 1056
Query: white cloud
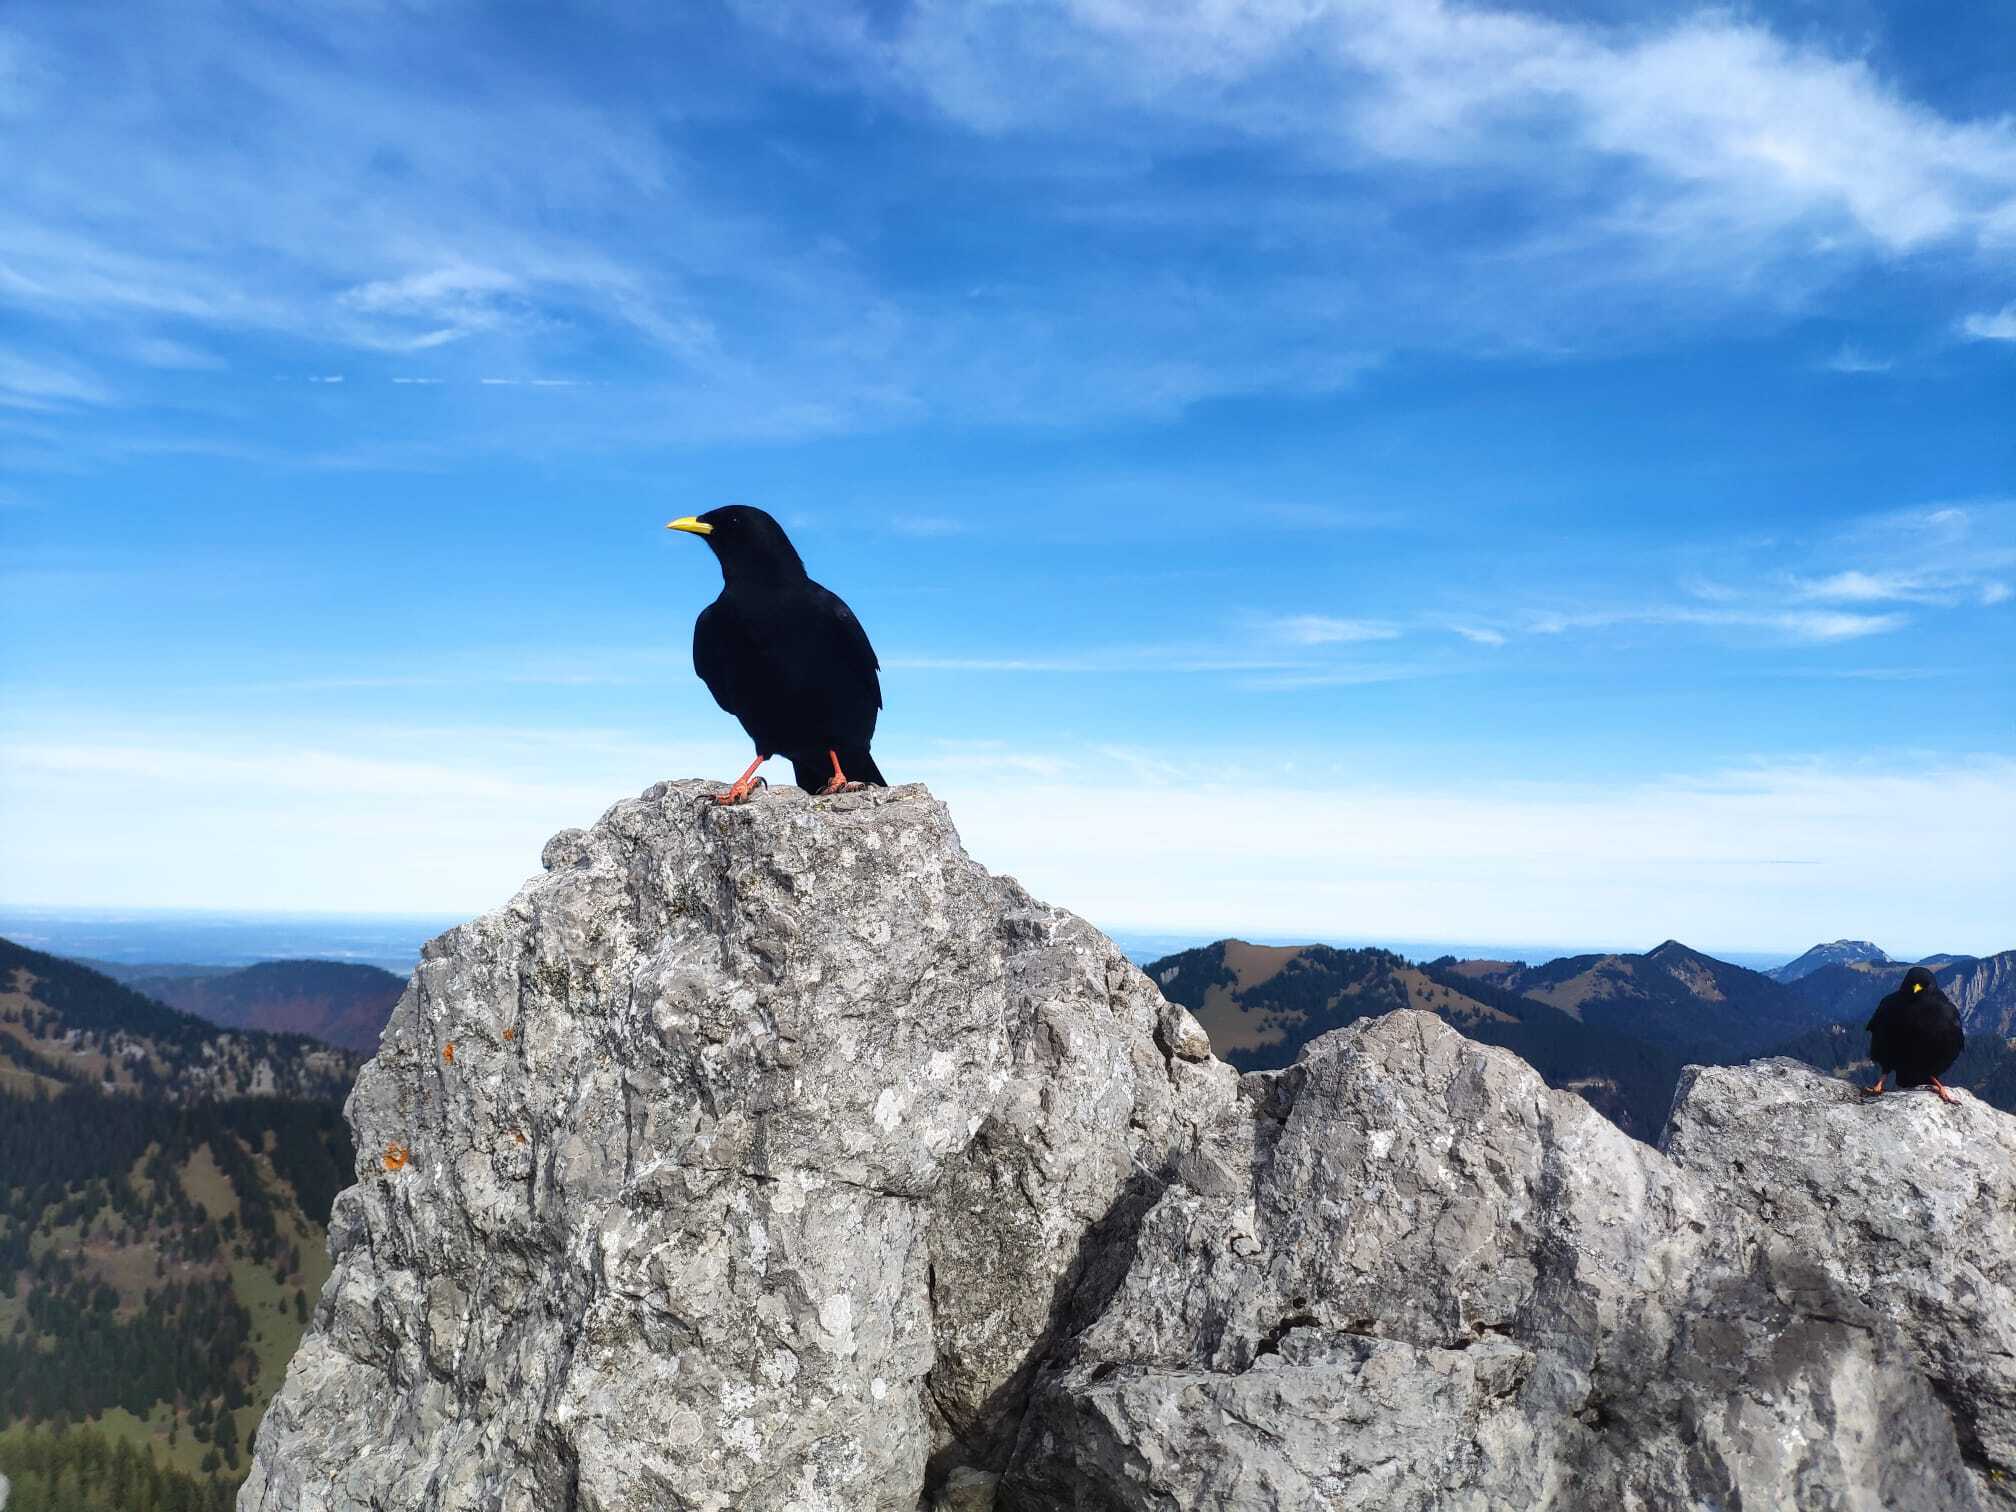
37, 384
1733, 131
1998, 325
928, 525
1995, 593
990, 664
1833, 625
1651, 175
1814, 625
450, 832
1478, 635
1854, 586
160, 352
1326, 630
1766, 857
1852, 359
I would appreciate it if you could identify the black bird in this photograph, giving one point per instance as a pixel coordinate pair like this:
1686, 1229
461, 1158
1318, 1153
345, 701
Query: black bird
1915, 1033
785, 656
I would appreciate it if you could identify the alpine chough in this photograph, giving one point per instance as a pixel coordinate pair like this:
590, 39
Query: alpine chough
1916, 1034
785, 656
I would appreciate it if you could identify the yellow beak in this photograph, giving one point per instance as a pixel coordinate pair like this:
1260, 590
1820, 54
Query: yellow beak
692, 526
1917, 986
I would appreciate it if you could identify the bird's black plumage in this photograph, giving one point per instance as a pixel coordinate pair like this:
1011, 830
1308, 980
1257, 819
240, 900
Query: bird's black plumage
784, 655
1916, 1031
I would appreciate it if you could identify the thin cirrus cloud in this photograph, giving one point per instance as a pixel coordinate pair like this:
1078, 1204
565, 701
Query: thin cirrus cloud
1817, 626
29, 383
1993, 325
1851, 359
1688, 167
1732, 130
1328, 630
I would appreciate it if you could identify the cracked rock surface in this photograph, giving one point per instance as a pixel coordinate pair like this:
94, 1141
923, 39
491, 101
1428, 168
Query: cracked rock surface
764, 1161
1404, 1273
787, 1159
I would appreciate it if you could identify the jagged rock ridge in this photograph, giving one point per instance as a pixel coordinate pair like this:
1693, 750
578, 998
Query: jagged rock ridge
786, 1159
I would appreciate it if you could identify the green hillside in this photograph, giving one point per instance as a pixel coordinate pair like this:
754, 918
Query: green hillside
162, 1237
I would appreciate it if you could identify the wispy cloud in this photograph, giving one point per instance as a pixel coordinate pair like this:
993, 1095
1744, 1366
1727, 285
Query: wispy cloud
1656, 175
1849, 358
928, 525
1858, 587
421, 310
1733, 132
1995, 325
1810, 625
177, 356
38, 384
1328, 630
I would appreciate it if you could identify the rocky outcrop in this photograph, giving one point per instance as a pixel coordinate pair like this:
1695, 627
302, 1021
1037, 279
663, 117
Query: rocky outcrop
781, 1157
1405, 1274
749, 1157
1984, 991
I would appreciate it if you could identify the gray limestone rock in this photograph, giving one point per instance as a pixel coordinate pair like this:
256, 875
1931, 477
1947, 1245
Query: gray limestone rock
786, 1159
1405, 1274
770, 1141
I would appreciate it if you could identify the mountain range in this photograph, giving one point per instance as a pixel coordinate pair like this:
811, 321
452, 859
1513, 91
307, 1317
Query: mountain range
170, 1172
336, 1002
1616, 1028
62, 1024
1834, 953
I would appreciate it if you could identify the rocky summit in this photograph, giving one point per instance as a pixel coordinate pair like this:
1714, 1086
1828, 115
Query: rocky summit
781, 1157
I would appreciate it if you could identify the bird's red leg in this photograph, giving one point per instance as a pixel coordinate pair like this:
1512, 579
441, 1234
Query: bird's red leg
1940, 1087
744, 785
1877, 1090
839, 780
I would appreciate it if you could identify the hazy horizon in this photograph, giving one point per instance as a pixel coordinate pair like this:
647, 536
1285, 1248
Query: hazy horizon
140, 936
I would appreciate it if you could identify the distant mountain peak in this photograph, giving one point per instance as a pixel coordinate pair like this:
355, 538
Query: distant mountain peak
1834, 953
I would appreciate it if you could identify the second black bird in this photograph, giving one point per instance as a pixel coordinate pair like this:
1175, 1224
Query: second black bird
1915, 1033
785, 656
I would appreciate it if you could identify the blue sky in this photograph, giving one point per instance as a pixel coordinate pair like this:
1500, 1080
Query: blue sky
1343, 467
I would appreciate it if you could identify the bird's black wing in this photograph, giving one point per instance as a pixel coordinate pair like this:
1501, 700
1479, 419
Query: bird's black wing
724, 655
1886, 1028
856, 654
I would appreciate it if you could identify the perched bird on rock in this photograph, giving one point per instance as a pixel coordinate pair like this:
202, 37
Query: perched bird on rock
1916, 1033
785, 656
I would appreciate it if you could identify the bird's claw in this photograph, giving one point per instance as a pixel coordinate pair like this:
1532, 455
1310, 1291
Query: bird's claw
1877, 1090
837, 786
1944, 1096
740, 792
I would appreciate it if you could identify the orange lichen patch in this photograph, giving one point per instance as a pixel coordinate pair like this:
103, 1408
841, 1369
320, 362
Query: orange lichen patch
519, 1137
510, 1034
448, 1052
396, 1156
